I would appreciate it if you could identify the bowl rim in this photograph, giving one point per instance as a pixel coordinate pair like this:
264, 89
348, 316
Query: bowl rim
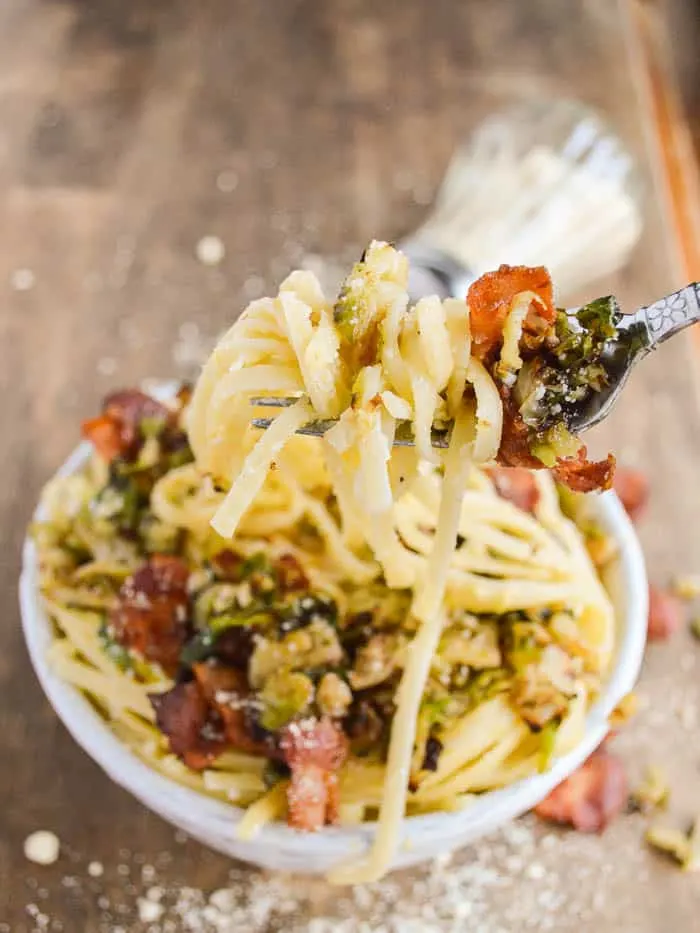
199, 814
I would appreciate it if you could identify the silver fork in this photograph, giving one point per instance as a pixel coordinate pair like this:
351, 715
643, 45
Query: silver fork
637, 335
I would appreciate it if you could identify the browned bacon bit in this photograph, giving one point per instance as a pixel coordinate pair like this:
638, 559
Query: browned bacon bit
517, 485
181, 715
577, 473
314, 750
591, 797
490, 298
115, 433
226, 690
290, 573
515, 436
218, 682
583, 475
632, 487
665, 614
151, 616
227, 565
236, 644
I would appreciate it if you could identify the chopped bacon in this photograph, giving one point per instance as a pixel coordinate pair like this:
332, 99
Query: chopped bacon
490, 298
517, 485
577, 473
116, 432
632, 487
235, 645
591, 797
181, 714
151, 616
583, 475
665, 614
290, 573
226, 690
216, 680
314, 750
206, 715
105, 436
227, 565
515, 436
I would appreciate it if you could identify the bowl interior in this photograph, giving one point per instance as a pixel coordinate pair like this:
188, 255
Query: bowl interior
277, 846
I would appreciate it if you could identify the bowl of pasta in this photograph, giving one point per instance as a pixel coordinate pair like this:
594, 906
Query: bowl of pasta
332, 654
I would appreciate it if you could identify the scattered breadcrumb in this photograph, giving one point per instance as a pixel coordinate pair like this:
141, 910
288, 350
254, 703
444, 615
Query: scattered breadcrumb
687, 586
653, 792
95, 869
684, 848
42, 847
669, 841
692, 863
512, 880
210, 250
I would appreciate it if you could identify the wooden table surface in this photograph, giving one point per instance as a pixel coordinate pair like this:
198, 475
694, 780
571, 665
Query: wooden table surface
129, 130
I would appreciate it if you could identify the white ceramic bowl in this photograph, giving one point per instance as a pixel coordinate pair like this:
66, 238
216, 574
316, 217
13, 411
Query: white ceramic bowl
278, 846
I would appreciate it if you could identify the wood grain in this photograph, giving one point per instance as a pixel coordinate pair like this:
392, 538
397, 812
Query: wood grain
671, 138
331, 123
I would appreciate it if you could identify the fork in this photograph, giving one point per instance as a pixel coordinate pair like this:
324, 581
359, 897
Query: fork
638, 334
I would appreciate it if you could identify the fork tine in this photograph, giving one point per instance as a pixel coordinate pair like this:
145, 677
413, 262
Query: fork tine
270, 401
403, 436
313, 428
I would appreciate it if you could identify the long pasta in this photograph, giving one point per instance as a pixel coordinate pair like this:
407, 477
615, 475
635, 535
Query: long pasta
460, 582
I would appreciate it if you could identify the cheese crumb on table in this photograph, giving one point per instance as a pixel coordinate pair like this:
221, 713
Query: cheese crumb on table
687, 586
22, 280
210, 250
149, 911
42, 847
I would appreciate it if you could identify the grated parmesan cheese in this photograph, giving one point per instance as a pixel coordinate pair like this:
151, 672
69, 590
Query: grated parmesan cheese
42, 847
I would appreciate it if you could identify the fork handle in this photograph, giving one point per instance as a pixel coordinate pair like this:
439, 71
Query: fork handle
667, 316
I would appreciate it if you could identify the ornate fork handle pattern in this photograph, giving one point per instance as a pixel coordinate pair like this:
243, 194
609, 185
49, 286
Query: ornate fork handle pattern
671, 314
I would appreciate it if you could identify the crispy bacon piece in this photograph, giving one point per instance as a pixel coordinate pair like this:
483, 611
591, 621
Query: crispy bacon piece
206, 715
181, 714
227, 565
591, 797
583, 475
665, 614
515, 436
290, 573
116, 432
632, 487
490, 298
517, 485
235, 646
225, 689
577, 473
216, 680
314, 750
151, 616
105, 436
